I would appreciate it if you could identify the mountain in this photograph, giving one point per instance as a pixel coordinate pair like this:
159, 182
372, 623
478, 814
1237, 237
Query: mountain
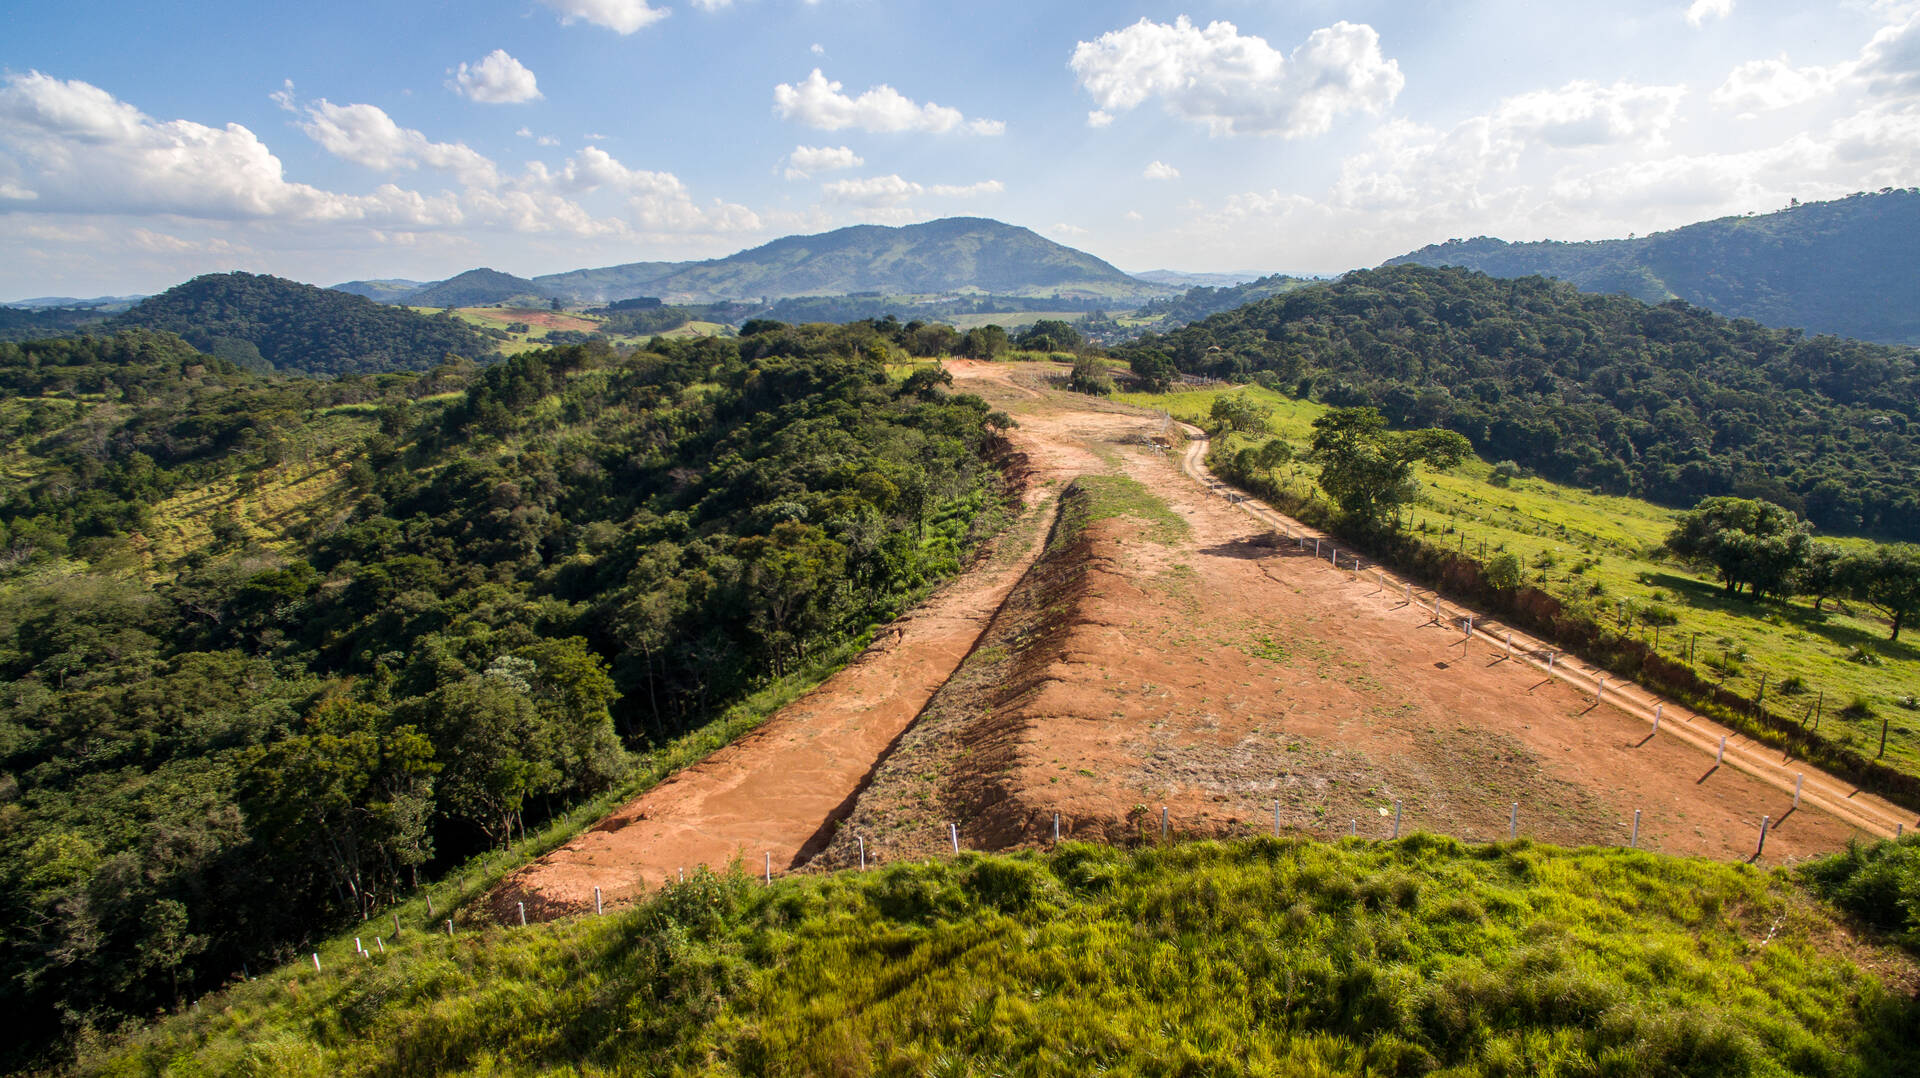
1849, 267
957, 255
608, 284
29, 323
385, 290
476, 288
269, 323
97, 303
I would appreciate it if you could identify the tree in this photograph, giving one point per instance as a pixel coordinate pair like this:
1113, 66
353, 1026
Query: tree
1748, 542
1237, 411
1504, 571
1827, 571
1049, 334
986, 342
1090, 376
1368, 470
1889, 580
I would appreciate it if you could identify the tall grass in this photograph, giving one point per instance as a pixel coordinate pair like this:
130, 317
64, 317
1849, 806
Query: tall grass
1260, 956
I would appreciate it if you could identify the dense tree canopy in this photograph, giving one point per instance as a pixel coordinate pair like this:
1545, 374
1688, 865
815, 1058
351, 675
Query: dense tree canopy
1747, 543
499, 582
1669, 402
1368, 470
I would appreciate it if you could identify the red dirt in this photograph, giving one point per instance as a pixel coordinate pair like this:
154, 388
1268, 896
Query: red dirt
1213, 675
776, 793
1222, 673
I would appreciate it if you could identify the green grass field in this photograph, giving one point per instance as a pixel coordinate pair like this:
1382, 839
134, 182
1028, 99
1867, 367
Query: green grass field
1263, 956
1598, 550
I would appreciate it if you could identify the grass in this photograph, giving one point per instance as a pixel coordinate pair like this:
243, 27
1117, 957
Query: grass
1260, 956
1595, 550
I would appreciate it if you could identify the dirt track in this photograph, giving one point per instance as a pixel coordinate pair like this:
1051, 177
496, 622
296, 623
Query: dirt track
1216, 675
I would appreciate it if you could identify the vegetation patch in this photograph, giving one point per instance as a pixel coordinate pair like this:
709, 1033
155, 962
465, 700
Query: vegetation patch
1267, 955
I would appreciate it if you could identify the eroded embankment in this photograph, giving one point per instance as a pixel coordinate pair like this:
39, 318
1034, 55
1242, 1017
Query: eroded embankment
771, 799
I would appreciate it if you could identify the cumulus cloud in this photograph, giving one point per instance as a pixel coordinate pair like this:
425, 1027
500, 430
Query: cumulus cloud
804, 161
892, 190
1099, 118
654, 200
496, 79
1160, 170
538, 140
1233, 84
366, 135
620, 16
1891, 61
69, 146
1585, 113
819, 103
1764, 85
1700, 11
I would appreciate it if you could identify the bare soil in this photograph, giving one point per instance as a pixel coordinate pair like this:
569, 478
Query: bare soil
1218, 678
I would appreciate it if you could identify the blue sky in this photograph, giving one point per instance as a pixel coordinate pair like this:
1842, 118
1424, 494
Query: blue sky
327, 142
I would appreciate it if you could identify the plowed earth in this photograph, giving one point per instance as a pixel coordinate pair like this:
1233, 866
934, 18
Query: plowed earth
1224, 676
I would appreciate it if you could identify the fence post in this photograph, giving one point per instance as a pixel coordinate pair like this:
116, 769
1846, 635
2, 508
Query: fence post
1722, 753
769, 867
862, 840
1163, 823
1396, 819
953, 832
449, 928
316, 961
1276, 817
1797, 780
396, 926
1758, 850
1635, 843
598, 909
1513, 821
1657, 709
1056, 827
523, 914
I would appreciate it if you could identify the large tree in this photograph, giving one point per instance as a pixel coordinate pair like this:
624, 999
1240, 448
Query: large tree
1368, 470
1747, 542
1889, 580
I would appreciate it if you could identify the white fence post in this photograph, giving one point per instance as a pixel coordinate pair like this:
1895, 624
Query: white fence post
1636, 829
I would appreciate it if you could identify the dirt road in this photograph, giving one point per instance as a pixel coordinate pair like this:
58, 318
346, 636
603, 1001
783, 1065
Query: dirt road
1229, 675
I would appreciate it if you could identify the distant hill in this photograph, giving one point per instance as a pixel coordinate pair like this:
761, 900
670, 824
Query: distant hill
957, 254
269, 323
385, 290
1177, 279
29, 323
1850, 267
1203, 300
105, 304
608, 284
954, 256
477, 288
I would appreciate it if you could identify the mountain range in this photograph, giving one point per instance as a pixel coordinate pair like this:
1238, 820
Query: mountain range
955, 255
1849, 267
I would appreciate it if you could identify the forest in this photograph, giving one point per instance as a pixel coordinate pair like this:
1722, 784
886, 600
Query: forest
1669, 402
224, 730
265, 323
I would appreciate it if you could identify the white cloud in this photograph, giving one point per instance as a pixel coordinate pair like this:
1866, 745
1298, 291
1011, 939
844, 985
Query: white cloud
1160, 170
1587, 114
1134, 215
712, 5
1099, 118
1891, 61
1066, 229
804, 161
69, 146
654, 200
496, 79
366, 135
818, 102
1700, 11
1232, 84
817, 49
620, 16
538, 140
1764, 85
892, 190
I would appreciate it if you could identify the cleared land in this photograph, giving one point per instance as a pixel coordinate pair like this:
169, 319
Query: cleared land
1167, 649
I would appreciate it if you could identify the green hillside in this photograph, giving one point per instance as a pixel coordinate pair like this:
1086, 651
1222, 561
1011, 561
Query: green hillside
1849, 267
1671, 402
1265, 956
475, 288
267, 323
273, 650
